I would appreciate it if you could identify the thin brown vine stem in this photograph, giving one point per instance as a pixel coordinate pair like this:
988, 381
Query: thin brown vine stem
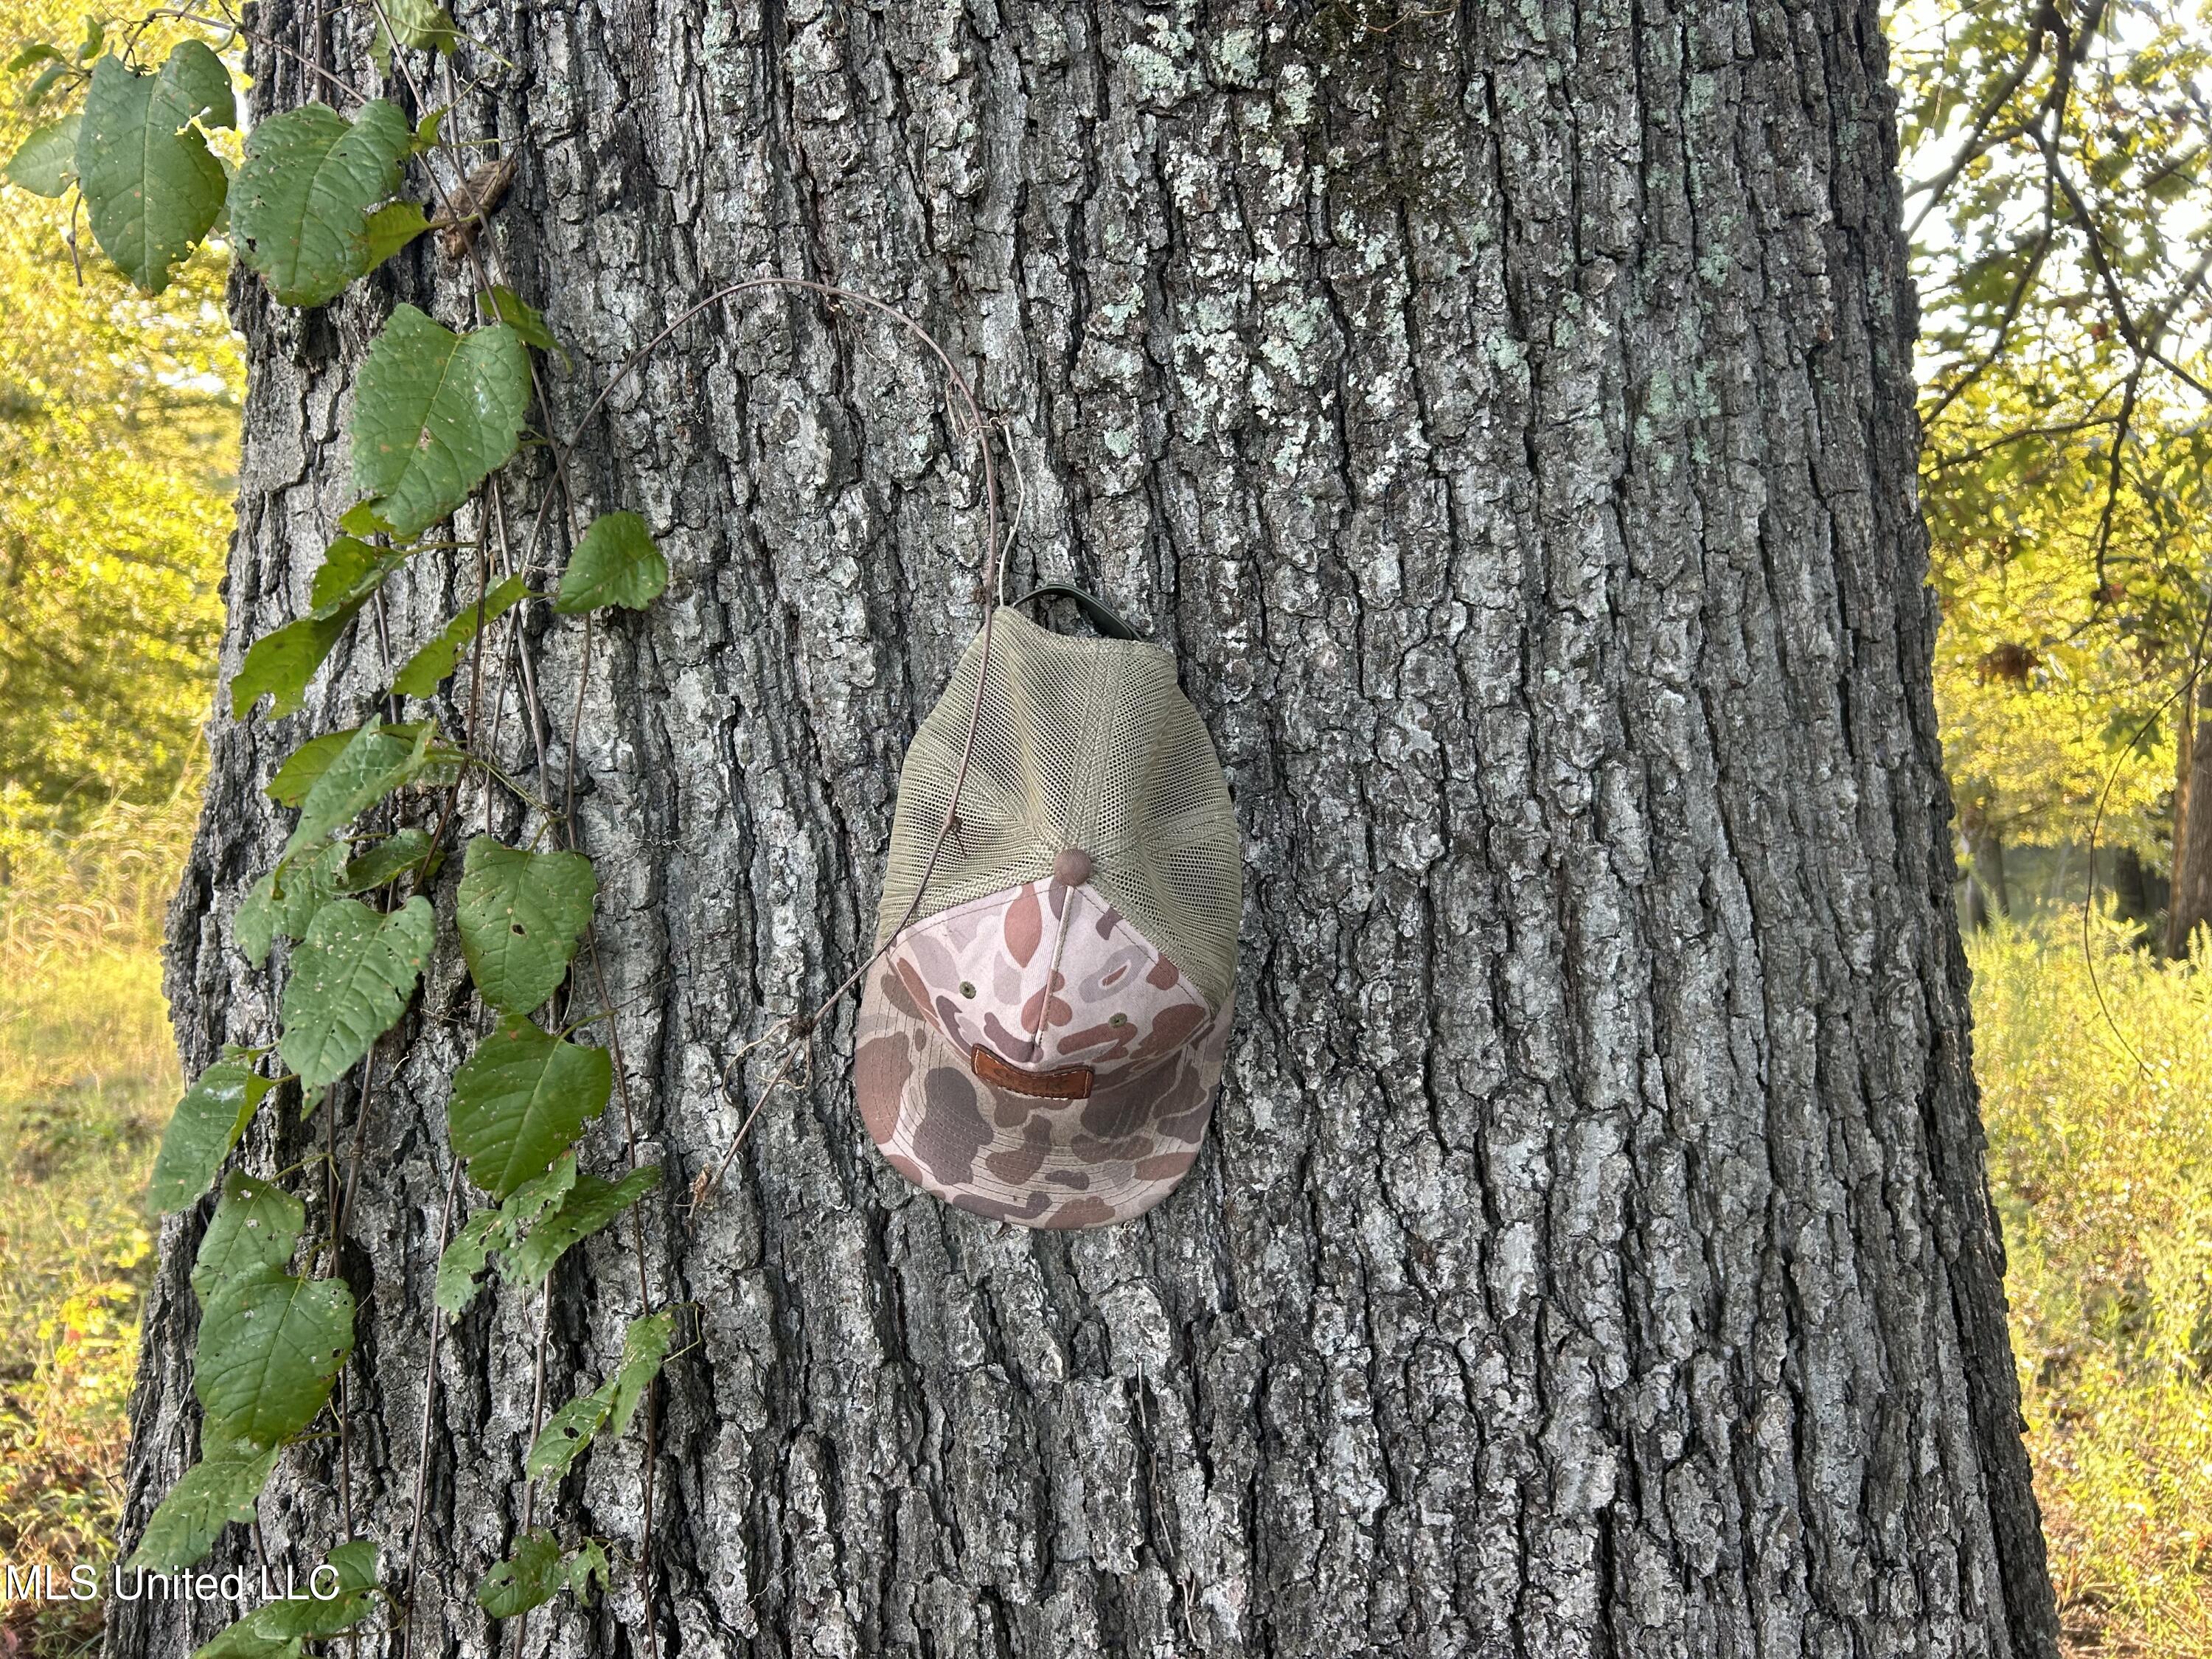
422, 1440
536, 1426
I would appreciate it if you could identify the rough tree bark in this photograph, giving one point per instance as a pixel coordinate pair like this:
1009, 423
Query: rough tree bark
1506, 412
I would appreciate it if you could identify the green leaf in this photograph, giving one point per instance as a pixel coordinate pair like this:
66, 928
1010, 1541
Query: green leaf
564, 1437
390, 859
275, 1630
587, 1561
313, 1616
46, 163
241, 1640
282, 662
300, 207
645, 1346
48, 79
152, 189
285, 901
362, 519
489, 1231
521, 916
530, 1577
518, 1100
436, 659
426, 130
215, 1493
377, 760
202, 82
350, 981
423, 24
610, 1406
504, 305
434, 412
300, 769
615, 563
589, 1206
462, 1263
37, 52
269, 1347
257, 1225
205, 1125
392, 228
95, 32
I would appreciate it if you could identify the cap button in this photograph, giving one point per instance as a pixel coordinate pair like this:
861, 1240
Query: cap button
1072, 868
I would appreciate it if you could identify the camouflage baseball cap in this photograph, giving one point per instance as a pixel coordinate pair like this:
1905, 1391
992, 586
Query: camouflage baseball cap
1041, 1040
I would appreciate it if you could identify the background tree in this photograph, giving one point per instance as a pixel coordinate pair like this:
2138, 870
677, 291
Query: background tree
117, 441
1507, 416
2061, 244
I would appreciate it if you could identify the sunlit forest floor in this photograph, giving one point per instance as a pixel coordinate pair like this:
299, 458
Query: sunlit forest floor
2101, 1166
87, 1076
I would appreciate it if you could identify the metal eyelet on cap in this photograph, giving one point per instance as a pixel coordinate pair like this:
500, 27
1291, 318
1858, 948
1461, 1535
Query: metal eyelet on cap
967, 989
1119, 1019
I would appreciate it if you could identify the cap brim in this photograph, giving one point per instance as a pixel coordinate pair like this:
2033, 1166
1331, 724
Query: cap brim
1057, 1164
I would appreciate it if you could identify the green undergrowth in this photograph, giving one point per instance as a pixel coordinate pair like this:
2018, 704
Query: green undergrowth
87, 1075
2100, 1162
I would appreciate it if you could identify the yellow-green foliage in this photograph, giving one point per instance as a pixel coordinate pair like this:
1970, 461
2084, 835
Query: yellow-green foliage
87, 1075
118, 440
2102, 1172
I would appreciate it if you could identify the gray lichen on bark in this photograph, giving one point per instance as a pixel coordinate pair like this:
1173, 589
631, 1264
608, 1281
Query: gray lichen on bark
1506, 413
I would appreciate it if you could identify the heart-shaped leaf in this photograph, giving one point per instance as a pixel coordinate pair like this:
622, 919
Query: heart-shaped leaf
300, 206
436, 659
215, 1493
590, 1205
152, 189
256, 1225
521, 916
350, 981
518, 1100
375, 760
615, 563
205, 1125
434, 412
269, 1347
46, 161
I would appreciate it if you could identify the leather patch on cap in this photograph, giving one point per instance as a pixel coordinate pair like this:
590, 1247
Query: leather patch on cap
1068, 1083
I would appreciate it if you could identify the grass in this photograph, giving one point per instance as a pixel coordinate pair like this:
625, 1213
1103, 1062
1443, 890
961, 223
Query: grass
2102, 1169
2100, 1163
87, 1075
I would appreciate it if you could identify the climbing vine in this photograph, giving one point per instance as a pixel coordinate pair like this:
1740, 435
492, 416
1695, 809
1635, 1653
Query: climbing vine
344, 918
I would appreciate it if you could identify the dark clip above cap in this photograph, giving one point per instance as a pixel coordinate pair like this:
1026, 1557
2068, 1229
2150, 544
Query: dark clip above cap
1094, 610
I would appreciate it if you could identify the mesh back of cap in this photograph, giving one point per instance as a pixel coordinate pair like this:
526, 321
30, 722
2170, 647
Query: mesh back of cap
1083, 743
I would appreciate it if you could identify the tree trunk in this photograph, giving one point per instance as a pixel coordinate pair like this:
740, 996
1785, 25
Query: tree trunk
2190, 905
1506, 414
1986, 847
